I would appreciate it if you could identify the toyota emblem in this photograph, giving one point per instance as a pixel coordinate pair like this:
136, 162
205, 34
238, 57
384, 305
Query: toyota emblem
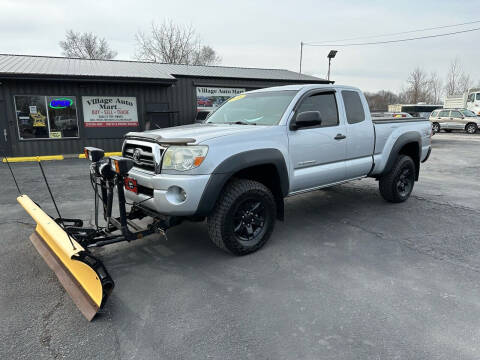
137, 153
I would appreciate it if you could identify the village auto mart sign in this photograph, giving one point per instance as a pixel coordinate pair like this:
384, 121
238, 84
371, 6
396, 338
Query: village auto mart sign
109, 111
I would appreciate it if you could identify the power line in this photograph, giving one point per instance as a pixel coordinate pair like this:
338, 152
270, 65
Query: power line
391, 34
394, 41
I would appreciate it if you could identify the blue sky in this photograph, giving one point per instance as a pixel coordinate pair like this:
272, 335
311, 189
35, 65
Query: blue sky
265, 33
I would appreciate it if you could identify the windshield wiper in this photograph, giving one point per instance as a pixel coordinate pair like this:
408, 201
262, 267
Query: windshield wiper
240, 123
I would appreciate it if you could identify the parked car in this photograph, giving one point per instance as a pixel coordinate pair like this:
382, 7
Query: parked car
261, 146
454, 119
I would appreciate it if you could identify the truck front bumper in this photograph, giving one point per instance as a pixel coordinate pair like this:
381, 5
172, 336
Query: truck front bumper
177, 195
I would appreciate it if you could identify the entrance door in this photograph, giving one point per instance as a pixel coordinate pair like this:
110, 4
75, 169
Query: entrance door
4, 138
318, 154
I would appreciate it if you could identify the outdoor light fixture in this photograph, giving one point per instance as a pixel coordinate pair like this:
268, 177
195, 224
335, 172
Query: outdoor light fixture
330, 56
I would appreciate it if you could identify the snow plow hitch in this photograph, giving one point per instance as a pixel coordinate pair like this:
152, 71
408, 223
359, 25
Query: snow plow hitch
65, 243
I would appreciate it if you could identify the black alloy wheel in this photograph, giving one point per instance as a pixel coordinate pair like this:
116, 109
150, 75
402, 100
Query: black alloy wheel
405, 182
249, 220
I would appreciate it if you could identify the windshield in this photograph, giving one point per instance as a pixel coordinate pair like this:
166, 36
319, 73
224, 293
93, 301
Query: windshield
263, 108
468, 113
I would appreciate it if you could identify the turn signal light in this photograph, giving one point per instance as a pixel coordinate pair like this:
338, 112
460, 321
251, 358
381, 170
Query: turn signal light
93, 154
120, 164
198, 160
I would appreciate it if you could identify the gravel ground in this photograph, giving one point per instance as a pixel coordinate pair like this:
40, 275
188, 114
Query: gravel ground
346, 276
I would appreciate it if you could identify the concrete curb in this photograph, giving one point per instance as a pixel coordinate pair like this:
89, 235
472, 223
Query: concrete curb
53, 157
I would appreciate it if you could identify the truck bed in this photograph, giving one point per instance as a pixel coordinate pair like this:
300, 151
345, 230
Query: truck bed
397, 120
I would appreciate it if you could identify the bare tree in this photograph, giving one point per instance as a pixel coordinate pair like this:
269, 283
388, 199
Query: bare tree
457, 81
464, 83
86, 46
417, 86
435, 89
174, 44
380, 100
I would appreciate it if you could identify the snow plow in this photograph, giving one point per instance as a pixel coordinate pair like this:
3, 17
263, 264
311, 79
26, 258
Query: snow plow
65, 243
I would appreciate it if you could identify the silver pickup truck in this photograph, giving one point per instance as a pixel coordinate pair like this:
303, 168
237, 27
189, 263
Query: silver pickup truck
261, 146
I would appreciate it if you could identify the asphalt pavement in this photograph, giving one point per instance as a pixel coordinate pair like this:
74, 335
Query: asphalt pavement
346, 276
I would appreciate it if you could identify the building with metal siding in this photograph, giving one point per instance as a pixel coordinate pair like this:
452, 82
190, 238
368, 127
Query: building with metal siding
43, 99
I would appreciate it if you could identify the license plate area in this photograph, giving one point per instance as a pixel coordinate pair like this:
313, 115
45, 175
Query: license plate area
131, 185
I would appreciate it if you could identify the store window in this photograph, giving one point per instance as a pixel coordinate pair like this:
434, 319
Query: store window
52, 117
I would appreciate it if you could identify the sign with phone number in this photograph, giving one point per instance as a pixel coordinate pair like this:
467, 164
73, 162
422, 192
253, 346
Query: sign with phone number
110, 111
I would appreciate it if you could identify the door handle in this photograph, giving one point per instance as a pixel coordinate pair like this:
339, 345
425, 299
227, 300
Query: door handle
339, 137
5, 135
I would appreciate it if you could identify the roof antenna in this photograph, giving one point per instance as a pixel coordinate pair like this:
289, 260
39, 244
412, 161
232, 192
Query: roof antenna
5, 158
55, 204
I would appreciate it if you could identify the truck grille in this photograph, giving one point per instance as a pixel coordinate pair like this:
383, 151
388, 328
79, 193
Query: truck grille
142, 155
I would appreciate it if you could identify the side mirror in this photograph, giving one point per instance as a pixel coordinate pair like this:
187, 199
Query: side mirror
306, 119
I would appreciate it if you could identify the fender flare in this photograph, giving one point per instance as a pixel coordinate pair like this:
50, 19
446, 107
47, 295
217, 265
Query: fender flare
233, 164
407, 138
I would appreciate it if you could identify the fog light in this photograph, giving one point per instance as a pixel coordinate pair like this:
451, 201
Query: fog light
176, 195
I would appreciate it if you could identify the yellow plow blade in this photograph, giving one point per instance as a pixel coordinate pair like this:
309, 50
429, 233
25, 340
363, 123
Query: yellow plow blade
83, 276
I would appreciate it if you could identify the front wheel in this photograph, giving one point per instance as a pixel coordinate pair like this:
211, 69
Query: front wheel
471, 128
243, 218
397, 185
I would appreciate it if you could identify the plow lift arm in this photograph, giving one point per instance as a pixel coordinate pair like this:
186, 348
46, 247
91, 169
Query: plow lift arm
64, 243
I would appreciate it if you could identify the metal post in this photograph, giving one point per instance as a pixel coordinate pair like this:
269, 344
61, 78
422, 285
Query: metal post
301, 56
328, 75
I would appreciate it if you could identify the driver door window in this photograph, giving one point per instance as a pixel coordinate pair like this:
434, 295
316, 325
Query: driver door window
324, 103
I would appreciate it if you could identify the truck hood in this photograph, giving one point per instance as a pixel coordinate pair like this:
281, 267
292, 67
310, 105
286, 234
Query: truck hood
201, 132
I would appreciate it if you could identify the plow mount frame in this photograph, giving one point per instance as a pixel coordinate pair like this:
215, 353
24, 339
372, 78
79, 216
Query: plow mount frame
65, 243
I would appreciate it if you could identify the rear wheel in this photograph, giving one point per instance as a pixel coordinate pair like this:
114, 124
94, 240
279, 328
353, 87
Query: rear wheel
471, 128
435, 127
397, 185
243, 218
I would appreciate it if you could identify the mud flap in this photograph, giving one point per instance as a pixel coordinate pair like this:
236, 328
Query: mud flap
83, 276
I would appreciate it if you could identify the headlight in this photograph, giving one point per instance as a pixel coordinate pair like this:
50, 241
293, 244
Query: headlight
183, 158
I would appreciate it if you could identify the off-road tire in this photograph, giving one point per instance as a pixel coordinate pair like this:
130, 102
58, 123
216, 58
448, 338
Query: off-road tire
388, 184
221, 221
471, 128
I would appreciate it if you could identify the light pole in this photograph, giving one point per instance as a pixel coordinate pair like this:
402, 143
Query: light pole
330, 56
301, 56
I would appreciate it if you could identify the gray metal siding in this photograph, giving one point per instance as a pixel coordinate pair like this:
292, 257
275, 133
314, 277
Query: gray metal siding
180, 96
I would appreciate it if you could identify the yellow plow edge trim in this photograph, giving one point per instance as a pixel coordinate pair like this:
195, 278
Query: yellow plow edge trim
59, 243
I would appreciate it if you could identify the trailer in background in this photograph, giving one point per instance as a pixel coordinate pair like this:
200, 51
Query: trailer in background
416, 110
469, 100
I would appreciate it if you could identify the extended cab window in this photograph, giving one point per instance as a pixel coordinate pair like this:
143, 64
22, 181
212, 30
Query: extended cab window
325, 103
353, 106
